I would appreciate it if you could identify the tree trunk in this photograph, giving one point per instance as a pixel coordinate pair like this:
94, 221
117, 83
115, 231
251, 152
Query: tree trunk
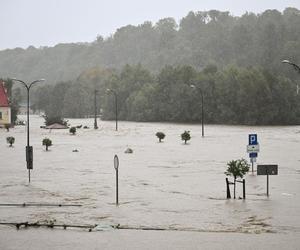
46, 148
159, 140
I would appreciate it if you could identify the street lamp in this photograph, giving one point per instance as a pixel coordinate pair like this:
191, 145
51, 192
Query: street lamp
296, 67
29, 149
95, 106
116, 105
202, 107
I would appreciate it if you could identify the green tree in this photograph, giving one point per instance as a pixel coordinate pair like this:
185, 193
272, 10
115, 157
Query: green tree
185, 136
10, 140
160, 136
237, 168
47, 142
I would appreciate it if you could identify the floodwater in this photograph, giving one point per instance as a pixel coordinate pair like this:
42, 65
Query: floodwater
165, 185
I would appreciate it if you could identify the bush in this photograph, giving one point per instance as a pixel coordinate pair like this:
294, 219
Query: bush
73, 130
7, 126
47, 142
185, 136
10, 140
160, 136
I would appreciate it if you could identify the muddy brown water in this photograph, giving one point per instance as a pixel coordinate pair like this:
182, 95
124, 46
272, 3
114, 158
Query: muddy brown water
165, 185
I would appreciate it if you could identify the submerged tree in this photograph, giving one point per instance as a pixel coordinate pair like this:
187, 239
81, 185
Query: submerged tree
7, 126
160, 136
73, 130
10, 140
185, 136
47, 142
237, 168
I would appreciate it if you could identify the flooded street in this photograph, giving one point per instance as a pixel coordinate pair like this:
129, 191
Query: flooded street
165, 185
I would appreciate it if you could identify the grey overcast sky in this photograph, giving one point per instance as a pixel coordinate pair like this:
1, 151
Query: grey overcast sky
48, 22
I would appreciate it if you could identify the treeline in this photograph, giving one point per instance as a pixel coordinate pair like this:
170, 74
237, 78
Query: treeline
199, 39
232, 95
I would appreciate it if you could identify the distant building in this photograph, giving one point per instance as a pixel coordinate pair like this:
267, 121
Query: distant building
5, 112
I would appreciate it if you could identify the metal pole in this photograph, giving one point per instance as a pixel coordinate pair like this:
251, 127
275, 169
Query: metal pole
252, 164
28, 158
234, 188
29, 150
268, 184
95, 109
116, 101
228, 189
244, 189
117, 187
202, 113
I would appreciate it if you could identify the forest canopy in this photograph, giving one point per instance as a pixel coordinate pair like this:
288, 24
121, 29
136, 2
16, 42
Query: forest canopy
234, 61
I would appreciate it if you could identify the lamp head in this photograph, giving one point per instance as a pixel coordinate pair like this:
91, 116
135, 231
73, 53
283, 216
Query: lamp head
285, 61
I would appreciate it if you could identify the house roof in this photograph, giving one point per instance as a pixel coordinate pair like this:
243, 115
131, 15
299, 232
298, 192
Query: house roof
3, 96
56, 126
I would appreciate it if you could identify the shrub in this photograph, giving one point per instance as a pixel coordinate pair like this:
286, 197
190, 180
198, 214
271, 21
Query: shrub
185, 136
73, 130
10, 140
47, 142
160, 136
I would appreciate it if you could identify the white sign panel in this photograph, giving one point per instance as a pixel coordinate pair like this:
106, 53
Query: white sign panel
253, 148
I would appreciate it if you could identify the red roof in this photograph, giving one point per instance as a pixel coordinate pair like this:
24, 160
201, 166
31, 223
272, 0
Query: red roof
3, 96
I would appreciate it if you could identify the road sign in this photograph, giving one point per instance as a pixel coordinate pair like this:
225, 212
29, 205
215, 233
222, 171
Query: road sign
253, 148
267, 169
253, 139
116, 162
252, 155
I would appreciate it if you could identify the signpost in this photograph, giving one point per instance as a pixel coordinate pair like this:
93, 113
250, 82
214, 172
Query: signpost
267, 170
116, 166
252, 148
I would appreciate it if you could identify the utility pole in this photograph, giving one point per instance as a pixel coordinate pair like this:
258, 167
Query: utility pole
95, 109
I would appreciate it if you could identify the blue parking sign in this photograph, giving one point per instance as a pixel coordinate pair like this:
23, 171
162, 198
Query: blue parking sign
253, 139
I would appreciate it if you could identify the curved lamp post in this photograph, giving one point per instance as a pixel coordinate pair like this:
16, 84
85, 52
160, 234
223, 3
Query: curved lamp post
116, 104
202, 107
296, 67
29, 149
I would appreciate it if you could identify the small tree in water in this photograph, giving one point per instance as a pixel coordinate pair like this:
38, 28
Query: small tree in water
237, 168
73, 130
185, 136
160, 136
10, 140
47, 142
